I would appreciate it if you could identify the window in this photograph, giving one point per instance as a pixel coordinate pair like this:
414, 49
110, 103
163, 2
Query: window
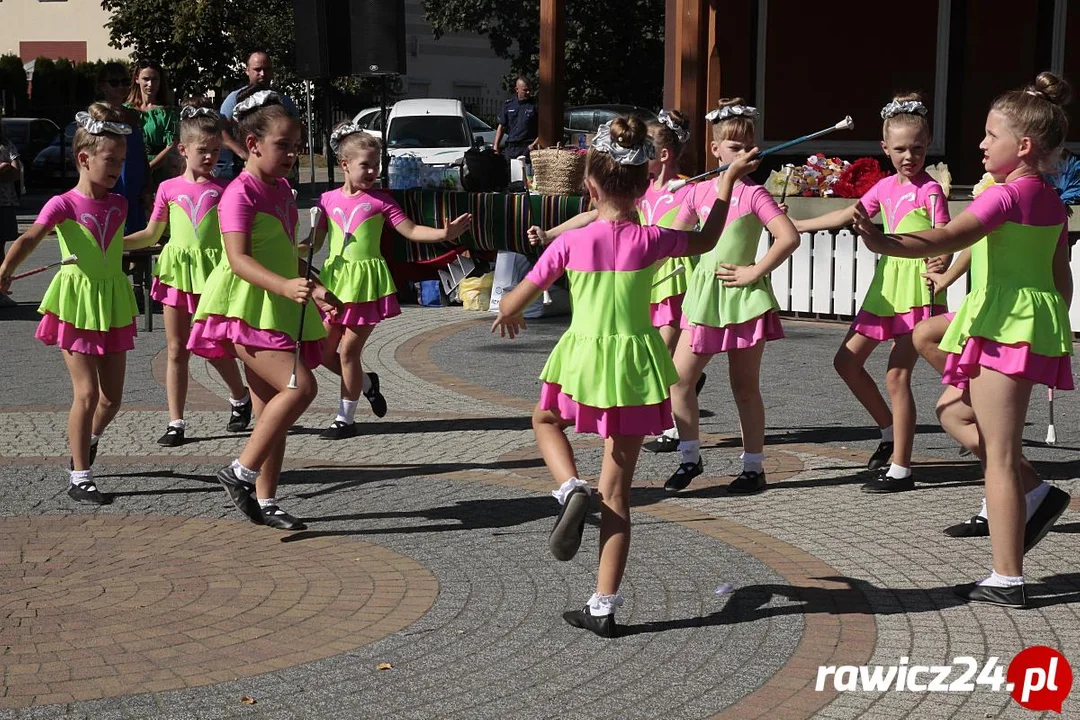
428, 131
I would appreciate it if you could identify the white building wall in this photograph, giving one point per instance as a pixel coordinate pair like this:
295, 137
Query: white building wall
56, 21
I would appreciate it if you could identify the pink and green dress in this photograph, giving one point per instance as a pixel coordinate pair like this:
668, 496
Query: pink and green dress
720, 319
194, 246
1016, 322
355, 270
898, 297
610, 371
232, 310
89, 307
659, 206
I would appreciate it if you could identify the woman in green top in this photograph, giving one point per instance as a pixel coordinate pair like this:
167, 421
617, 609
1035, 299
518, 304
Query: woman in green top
152, 97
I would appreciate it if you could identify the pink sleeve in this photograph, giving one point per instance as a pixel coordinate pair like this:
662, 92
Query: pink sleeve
763, 205
668, 243
871, 200
56, 211
236, 211
161, 206
941, 208
551, 264
392, 211
993, 206
687, 214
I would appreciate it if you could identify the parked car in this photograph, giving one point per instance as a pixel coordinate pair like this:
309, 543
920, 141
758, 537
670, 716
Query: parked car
46, 166
435, 130
371, 120
30, 136
585, 119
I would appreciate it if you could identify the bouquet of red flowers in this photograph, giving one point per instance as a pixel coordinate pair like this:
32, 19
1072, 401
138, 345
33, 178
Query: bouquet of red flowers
857, 178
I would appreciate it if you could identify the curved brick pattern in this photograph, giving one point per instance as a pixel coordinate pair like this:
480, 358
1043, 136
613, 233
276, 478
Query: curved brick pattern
102, 606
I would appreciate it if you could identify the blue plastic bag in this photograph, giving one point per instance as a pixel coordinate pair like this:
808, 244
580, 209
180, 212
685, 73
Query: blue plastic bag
430, 293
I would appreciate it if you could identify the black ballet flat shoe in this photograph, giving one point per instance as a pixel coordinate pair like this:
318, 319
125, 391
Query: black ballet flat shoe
662, 444
242, 494
275, 517
239, 417
565, 537
87, 493
977, 526
747, 483
700, 384
173, 437
378, 402
1044, 517
681, 478
93, 456
339, 430
602, 625
885, 484
881, 456
1010, 597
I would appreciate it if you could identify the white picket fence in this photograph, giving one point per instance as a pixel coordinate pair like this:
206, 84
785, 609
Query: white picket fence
830, 272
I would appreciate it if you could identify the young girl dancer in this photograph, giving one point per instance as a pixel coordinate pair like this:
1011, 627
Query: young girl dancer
729, 305
1044, 502
251, 303
89, 308
187, 205
355, 271
610, 372
1013, 331
897, 298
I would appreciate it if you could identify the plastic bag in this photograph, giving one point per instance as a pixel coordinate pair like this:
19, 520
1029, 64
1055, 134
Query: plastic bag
475, 292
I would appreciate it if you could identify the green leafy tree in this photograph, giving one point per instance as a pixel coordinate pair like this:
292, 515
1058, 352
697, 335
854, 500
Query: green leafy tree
614, 48
203, 44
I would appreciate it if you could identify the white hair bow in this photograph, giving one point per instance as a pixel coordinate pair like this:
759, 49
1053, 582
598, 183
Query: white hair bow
341, 133
637, 155
256, 101
912, 107
190, 111
665, 119
100, 127
715, 116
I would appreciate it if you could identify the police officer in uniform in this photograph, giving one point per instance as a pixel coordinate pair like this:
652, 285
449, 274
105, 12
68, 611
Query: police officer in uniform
518, 121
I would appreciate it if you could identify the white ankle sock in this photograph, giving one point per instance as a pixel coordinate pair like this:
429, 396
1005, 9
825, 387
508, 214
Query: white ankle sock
672, 432
346, 410
996, 580
241, 402
78, 476
1034, 499
242, 473
886, 434
267, 502
898, 471
177, 423
982, 512
568, 487
690, 450
602, 605
753, 462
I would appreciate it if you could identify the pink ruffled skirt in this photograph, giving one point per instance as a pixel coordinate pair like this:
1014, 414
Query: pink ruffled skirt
173, 297
876, 327
605, 422
366, 313
667, 312
213, 337
54, 331
708, 340
1016, 360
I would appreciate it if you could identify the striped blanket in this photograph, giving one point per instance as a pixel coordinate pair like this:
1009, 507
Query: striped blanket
499, 221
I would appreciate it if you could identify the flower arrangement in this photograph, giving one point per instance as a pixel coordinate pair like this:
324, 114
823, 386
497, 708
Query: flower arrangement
940, 172
858, 177
816, 178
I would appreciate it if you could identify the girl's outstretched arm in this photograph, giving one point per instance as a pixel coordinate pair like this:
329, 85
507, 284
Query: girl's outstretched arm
145, 237
452, 230
964, 231
21, 249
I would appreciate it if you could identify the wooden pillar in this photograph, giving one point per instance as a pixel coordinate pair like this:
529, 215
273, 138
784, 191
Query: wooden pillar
552, 95
690, 73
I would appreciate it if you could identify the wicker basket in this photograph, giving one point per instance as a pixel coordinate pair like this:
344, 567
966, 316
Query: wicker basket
558, 171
